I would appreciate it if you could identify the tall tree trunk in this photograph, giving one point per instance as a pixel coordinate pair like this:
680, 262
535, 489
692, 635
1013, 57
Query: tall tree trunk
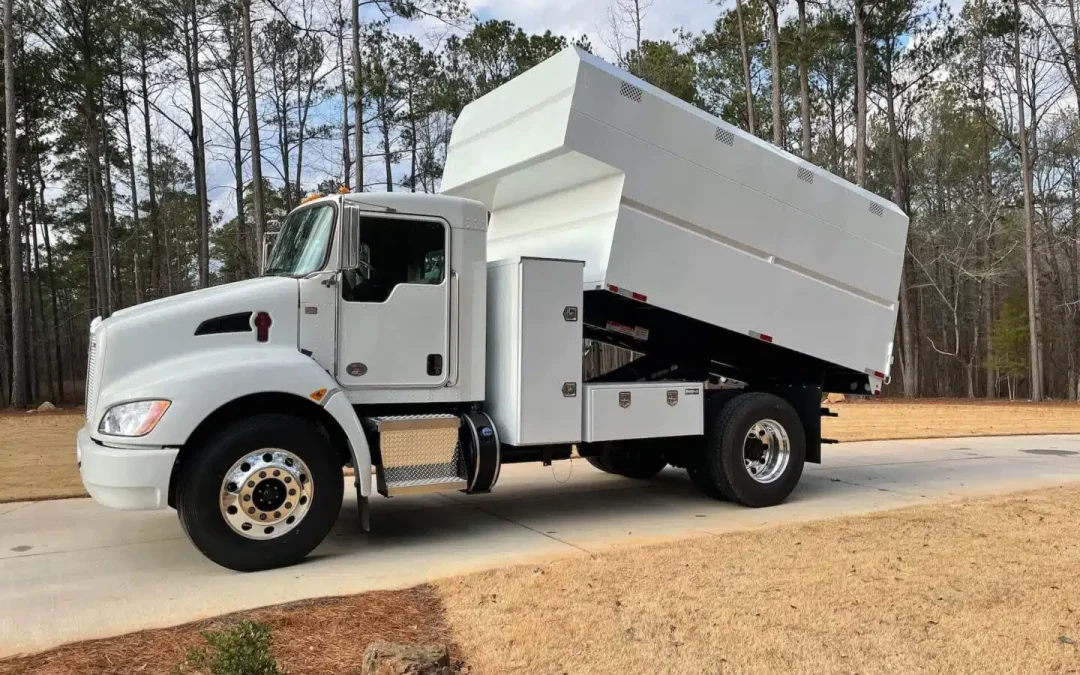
804, 83
136, 224
156, 284
346, 140
747, 82
38, 303
1029, 225
116, 287
33, 381
774, 49
253, 137
62, 396
18, 313
385, 123
860, 93
198, 147
358, 93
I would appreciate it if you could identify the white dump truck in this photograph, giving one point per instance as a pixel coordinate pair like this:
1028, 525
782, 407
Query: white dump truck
426, 340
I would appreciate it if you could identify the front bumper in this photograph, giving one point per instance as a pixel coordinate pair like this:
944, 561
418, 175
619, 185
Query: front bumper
125, 478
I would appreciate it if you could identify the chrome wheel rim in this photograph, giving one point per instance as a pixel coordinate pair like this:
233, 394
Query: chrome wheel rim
766, 451
266, 494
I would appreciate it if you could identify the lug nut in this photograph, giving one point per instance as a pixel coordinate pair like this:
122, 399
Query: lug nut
288, 505
262, 474
288, 479
292, 491
247, 498
251, 510
277, 514
262, 516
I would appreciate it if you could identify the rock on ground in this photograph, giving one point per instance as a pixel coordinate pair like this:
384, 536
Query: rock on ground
46, 406
386, 658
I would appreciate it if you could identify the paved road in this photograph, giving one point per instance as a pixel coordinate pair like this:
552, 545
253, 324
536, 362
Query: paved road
72, 570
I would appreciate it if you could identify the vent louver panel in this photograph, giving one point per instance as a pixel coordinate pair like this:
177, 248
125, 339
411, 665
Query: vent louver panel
806, 175
630, 91
725, 136
877, 209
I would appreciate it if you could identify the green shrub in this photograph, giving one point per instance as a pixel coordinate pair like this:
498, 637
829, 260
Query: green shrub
243, 649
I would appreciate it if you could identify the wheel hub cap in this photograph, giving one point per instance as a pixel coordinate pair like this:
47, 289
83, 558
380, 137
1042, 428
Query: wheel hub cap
766, 451
266, 494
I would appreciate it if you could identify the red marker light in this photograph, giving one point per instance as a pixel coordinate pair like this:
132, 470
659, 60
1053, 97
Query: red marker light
262, 326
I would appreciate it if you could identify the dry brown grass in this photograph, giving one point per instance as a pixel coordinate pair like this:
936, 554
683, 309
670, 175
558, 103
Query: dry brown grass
314, 637
37, 453
980, 586
895, 419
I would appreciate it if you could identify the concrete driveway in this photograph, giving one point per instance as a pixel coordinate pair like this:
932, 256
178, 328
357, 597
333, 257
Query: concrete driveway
72, 570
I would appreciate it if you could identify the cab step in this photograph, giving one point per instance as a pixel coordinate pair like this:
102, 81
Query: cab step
419, 453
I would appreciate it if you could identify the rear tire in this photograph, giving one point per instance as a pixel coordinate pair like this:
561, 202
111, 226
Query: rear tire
755, 448
303, 457
639, 460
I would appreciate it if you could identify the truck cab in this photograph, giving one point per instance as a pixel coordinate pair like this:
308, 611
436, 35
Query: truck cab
427, 340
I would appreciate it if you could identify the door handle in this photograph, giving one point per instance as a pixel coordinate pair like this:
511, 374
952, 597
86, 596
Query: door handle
329, 281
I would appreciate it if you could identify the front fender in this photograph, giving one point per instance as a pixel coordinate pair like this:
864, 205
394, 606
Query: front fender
198, 384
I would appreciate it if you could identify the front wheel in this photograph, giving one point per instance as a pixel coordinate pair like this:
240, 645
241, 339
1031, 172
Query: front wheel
262, 493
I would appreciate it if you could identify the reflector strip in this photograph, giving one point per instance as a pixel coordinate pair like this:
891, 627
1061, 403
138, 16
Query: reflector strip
636, 332
626, 293
761, 336
875, 373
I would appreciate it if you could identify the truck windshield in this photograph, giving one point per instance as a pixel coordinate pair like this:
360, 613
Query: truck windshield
302, 243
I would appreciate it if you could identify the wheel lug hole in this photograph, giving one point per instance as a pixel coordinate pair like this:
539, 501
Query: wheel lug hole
288, 461
245, 527
303, 499
268, 457
303, 478
231, 487
245, 467
290, 520
232, 510
269, 530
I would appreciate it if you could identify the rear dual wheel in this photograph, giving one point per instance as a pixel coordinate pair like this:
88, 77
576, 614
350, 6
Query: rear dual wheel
640, 460
262, 493
754, 450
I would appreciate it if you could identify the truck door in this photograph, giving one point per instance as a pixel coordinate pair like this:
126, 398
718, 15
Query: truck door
394, 310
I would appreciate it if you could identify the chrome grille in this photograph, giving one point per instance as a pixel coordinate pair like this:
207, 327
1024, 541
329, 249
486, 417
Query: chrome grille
91, 375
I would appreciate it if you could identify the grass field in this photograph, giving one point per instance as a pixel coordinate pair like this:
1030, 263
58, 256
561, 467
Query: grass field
984, 585
37, 450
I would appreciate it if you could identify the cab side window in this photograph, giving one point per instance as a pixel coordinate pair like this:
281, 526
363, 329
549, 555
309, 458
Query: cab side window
394, 251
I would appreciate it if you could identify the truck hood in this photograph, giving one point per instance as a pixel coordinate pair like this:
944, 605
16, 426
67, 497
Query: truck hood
147, 334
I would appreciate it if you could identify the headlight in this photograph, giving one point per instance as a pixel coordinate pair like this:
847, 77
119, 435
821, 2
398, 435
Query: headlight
137, 418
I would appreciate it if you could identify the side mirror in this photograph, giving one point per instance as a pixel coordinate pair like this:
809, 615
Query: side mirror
350, 239
264, 252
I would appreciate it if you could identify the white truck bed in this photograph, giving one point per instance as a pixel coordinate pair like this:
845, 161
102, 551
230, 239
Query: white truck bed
576, 159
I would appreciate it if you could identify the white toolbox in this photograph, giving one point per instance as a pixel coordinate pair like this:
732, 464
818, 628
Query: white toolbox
629, 410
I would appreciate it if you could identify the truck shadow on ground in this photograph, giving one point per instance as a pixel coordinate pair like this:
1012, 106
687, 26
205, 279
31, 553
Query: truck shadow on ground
588, 507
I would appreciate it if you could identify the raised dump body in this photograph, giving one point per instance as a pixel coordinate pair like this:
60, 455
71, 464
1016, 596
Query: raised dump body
576, 159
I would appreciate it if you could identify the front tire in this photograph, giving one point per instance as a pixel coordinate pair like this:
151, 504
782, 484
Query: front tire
755, 448
262, 493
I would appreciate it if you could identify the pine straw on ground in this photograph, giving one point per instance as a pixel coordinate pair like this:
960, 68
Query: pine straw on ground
313, 637
978, 586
